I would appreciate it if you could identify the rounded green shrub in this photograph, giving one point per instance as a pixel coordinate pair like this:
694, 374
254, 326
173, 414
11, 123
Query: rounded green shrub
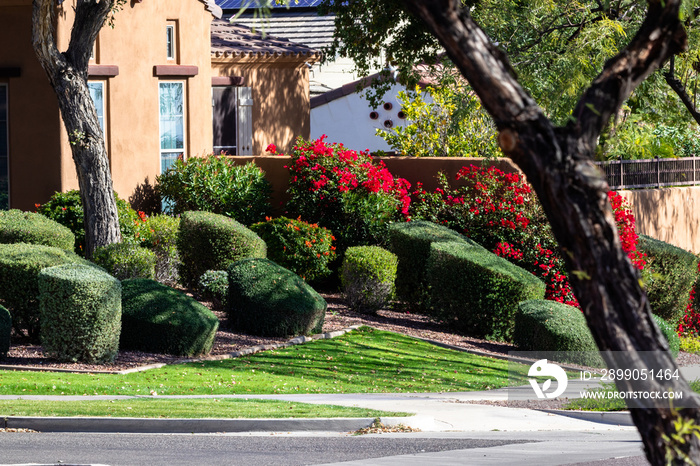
126, 260
20, 265
17, 226
367, 276
674, 341
159, 234
673, 272
81, 310
213, 285
549, 326
268, 300
5, 331
208, 241
304, 248
160, 319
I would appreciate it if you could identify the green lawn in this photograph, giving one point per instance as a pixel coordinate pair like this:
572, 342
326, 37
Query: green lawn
184, 408
363, 361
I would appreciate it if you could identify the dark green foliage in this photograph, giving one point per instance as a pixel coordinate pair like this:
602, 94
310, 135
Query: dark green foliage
208, 241
20, 265
126, 260
552, 327
304, 248
216, 184
268, 300
477, 292
67, 209
159, 319
213, 284
673, 272
81, 310
367, 276
27, 227
5, 331
411, 243
674, 342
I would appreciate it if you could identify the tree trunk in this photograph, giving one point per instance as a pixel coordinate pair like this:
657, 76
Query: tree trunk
558, 162
67, 73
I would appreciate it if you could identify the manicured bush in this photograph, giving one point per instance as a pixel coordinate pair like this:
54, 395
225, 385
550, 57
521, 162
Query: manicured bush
80, 308
216, 184
67, 209
345, 191
160, 319
477, 292
126, 260
368, 278
268, 300
20, 265
411, 243
673, 271
557, 328
29, 227
5, 331
668, 330
159, 234
213, 285
304, 248
208, 241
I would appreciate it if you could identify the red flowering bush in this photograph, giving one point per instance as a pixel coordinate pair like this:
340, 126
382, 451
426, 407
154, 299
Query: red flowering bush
500, 211
345, 191
689, 325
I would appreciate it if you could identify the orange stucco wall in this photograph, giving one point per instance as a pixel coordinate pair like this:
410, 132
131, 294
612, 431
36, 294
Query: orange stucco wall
281, 110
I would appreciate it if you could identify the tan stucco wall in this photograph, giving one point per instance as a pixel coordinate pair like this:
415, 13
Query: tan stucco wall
281, 110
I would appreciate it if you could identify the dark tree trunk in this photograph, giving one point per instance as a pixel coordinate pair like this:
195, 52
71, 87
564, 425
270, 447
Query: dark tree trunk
679, 89
67, 73
558, 162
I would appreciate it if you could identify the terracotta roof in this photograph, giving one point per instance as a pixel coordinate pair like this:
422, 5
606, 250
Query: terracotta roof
240, 42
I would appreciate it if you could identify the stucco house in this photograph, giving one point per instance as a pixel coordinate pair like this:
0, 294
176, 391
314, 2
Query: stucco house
169, 80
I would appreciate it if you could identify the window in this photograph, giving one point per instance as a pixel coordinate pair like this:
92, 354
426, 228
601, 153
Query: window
4, 150
172, 123
97, 92
170, 40
233, 120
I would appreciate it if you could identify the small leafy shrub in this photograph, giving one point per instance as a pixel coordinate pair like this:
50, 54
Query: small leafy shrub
213, 285
689, 324
674, 342
126, 260
477, 292
81, 310
159, 234
67, 209
690, 344
5, 331
345, 191
367, 276
411, 243
673, 271
159, 319
268, 300
208, 241
216, 184
29, 227
20, 265
304, 248
552, 327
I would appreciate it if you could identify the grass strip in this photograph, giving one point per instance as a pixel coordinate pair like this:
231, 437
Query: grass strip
363, 361
185, 408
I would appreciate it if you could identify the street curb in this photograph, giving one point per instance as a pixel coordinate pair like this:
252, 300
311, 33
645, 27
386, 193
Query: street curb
617, 418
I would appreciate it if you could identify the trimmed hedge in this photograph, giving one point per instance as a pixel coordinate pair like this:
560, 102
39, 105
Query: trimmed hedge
159, 319
5, 331
477, 292
268, 300
549, 326
213, 285
81, 312
208, 241
368, 275
17, 226
411, 243
126, 260
673, 272
20, 265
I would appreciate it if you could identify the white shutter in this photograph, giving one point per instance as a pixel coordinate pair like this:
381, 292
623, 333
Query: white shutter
245, 121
